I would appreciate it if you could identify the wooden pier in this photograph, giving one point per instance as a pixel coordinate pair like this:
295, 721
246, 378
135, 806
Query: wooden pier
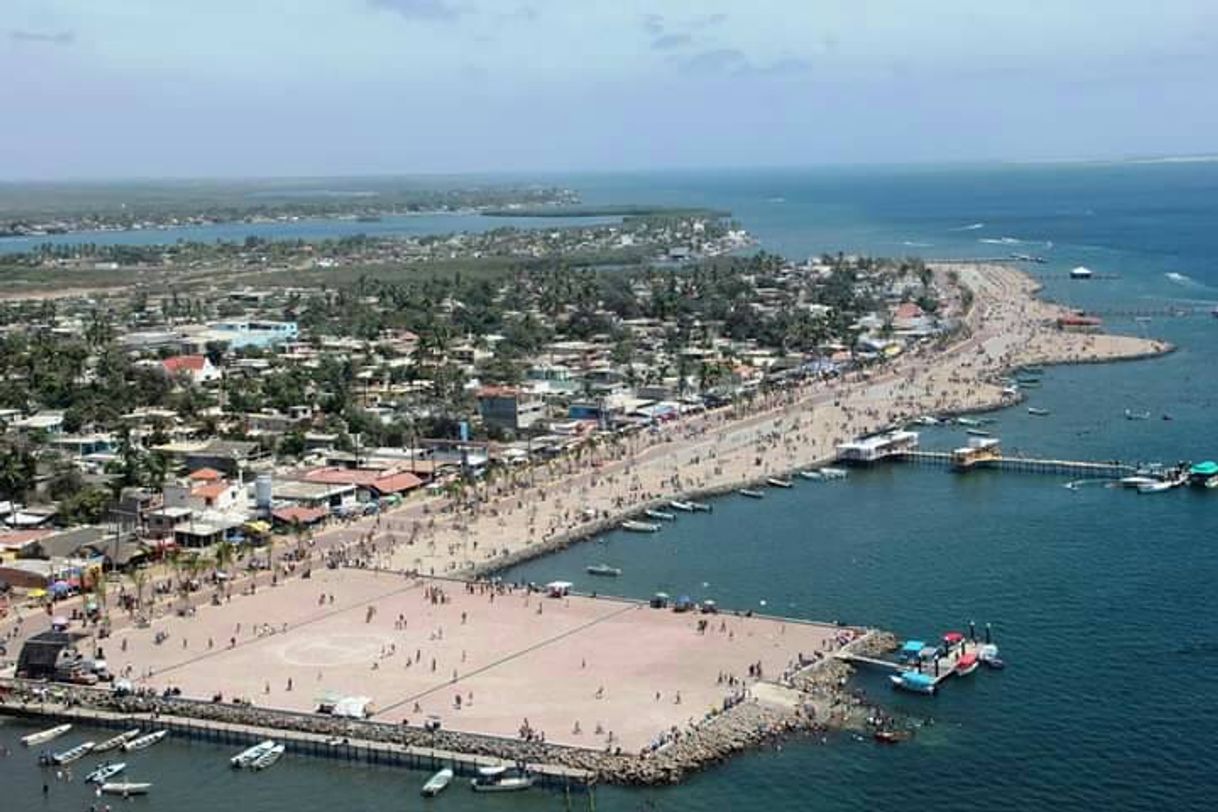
1026, 465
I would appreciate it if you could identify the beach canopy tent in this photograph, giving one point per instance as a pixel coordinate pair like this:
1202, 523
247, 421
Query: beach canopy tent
1207, 468
352, 707
558, 589
912, 648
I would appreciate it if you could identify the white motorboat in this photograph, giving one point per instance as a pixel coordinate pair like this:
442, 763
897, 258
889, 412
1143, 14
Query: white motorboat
437, 783
661, 515
117, 741
776, 482
751, 493
687, 507
1136, 481
641, 527
815, 476
268, 758
73, 754
1154, 487
45, 735
501, 779
126, 788
250, 754
702, 506
834, 473
105, 771
603, 570
144, 742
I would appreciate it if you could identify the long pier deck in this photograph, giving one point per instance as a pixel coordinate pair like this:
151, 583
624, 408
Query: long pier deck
1076, 468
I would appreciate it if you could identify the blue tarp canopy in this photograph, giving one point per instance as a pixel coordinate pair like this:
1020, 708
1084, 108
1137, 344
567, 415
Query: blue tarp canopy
913, 647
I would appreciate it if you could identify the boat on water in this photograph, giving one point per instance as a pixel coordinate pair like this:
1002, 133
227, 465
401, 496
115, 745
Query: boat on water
437, 783
1132, 415
663, 516
967, 421
834, 473
751, 493
640, 527
1204, 474
45, 735
776, 482
604, 570
1136, 481
702, 507
892, 736
126, 788
1038, 412
247, 756
268, 758
1157, 486
501, 779
967, 664
144, 742
73, 754
685, 507
978, 433
914, 682
104, 772
115, 742
815, 476
1033, 370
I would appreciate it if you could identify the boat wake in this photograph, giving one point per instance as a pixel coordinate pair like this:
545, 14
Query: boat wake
1185, 281
969, 227
1001, 241
913, 244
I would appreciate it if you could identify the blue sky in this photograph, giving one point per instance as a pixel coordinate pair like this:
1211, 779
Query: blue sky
120, 88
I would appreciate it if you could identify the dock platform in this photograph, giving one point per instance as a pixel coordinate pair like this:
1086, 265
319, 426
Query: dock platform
1027, 465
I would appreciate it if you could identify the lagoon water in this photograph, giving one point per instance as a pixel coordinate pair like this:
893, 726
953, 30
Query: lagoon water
1100, 599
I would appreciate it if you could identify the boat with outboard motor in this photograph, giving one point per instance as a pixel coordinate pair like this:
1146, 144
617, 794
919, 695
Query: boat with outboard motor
126, 788
640, 527
751, 493
105, 771
501, 779
44, 736
268, 758
247, 756
115, 742
437, 783
604, 570
144, 742
73, 753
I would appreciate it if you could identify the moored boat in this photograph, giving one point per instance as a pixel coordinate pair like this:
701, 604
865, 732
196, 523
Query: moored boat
437, 783
105, 771
892, 736
978, 432
126, 788
661, 515
687, 507
501, 779
45, 735
268, 758
967, 664
1132, 415
914, 682
834, 473
1038, 412
604, 570
640, 527
1154, 487
1136, 481
144, 742
73, 754
776, 482
815, 476
247, 756
702, 507
117, 741
751, 493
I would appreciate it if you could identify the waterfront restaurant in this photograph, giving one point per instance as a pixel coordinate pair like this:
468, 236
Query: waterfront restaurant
875, 448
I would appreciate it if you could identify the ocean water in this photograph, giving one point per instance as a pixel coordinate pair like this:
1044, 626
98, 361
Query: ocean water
1100, 599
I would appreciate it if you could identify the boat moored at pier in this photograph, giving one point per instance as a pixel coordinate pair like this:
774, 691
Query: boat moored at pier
115, 742
914, 682
144, 742
437, 783
640, 527
501, 779
44, 736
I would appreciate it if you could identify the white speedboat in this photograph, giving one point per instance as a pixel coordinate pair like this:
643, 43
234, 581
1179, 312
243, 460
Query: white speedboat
604, 570
501, 779
834, 473
144, 742
751, 493
815, 476
1154, 487
105, 771
687, 507
437, 783
117, 741
1136, 481
73, 754
776, 482
268, 758
702, 506
45, 735
126, 788
1038, 412
247, 756
661, 515
641, 527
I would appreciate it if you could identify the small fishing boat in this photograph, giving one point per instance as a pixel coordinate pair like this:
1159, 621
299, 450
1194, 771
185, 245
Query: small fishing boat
117, 741
751, 493
268, 758
73, 754
1038, 412
776, 482
686, 507
661, 515
501, 779
702, 507
815, 476
914, 682
437, 783
1132, 415
834, 473
967, 421
144, 742
1154, 487
45, 735
604, 570
967, 664
247, 756
126, 788
1136, 481
892, 736
978, 433
104, 772
640, 527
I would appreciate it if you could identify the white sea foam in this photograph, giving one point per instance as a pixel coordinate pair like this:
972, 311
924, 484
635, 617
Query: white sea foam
970, 227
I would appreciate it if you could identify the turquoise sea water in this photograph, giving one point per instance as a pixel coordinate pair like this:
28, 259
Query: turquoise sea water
1100, 599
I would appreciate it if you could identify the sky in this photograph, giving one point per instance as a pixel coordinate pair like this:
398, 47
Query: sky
200, 88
